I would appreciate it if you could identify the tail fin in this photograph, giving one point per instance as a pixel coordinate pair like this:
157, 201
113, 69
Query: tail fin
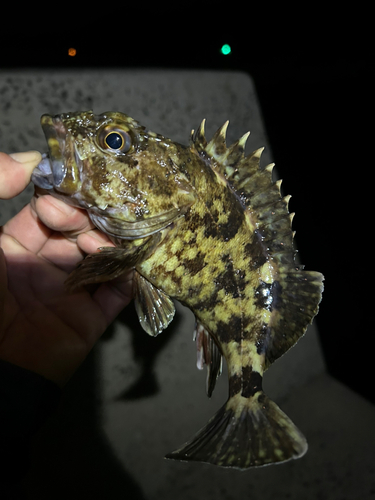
246, 432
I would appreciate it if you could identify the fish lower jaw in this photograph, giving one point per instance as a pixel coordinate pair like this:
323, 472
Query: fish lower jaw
49, 172
42, 175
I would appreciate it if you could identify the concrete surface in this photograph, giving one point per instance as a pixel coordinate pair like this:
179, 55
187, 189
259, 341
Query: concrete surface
137, 398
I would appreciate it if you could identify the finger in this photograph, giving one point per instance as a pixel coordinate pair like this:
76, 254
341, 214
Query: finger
61, 217
114, 295
61, 252
3, 286
15, 172
27, 230
30, 278
90, 241
66, 254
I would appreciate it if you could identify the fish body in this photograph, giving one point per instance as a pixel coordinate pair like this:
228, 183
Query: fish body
207, 226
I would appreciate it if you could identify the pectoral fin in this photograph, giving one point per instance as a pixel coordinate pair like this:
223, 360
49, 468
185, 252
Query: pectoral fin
155, 309
108, 263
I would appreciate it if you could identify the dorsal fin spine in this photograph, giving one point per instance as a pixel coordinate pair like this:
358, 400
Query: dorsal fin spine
199, 139
236, 151
269, 168
286, 200
217, 146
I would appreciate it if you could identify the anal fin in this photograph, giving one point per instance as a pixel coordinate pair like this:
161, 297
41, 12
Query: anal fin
208, 354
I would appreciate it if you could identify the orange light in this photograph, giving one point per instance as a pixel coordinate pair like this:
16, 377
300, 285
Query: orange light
72, 52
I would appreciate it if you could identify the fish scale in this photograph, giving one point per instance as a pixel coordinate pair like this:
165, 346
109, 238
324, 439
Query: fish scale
207, 226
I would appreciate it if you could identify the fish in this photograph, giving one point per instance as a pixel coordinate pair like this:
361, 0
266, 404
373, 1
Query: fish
206, 225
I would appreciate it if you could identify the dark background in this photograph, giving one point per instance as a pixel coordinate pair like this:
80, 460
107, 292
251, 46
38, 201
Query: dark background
313, 70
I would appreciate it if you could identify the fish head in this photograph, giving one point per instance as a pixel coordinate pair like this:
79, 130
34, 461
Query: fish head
126, 177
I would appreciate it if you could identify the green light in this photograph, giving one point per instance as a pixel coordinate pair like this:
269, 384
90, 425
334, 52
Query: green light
226, 49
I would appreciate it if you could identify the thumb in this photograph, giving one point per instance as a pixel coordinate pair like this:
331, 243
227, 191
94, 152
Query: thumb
15, 172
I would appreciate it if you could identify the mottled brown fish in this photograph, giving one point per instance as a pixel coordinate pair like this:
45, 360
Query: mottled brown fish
207, 226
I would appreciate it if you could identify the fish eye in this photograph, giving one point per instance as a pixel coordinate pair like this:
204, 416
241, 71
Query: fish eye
115, 139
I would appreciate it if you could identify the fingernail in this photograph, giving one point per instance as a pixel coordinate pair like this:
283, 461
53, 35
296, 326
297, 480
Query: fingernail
27, 157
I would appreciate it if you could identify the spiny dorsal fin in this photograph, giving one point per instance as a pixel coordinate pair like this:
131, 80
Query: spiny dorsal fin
255, 188
242, 173
216, 148
227, 157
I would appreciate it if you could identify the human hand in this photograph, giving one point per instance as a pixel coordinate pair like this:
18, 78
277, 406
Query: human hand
44, 328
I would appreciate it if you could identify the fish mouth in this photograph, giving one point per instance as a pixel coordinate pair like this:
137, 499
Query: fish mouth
51, 171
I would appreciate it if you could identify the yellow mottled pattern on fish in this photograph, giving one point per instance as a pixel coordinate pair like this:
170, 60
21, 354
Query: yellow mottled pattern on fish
207, 226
